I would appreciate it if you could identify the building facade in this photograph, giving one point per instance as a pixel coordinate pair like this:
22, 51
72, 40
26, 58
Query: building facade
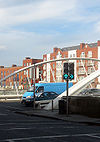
12, 81
28, 75
53, 72
21, 80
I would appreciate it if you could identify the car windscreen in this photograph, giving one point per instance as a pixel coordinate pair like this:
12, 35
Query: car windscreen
31, 89
40, 89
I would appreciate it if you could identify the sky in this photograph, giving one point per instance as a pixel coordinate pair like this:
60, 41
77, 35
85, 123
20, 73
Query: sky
31, 28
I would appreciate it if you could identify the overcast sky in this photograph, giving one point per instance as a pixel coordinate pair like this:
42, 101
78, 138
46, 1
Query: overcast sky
31, 28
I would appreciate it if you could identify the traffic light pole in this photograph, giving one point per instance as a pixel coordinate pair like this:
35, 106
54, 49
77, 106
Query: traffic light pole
34, 89
68, 74
67, 81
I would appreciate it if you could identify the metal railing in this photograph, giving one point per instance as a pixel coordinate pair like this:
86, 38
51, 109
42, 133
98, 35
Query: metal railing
10, 97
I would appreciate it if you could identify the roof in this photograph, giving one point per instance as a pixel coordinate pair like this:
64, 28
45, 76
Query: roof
92, 45
78, 47
71, 48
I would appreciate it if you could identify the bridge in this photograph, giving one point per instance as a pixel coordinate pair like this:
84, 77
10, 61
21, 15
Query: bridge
73, 90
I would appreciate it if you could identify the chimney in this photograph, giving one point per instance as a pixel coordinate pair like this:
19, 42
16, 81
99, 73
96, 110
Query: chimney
27, 58
82, 45
14, 65
55, 49
98, 42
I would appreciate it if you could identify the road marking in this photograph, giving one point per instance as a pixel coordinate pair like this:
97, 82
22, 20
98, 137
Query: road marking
23, 123
17, 129
26, 128
94, 136
49, 137
7, 124
3, 114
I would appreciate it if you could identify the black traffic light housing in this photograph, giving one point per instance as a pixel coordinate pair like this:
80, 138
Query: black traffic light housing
65, 71
68, 71
71, 71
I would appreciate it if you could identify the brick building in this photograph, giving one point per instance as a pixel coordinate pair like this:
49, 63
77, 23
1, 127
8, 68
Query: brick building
10, 82
28, 75
22, 79
53, 72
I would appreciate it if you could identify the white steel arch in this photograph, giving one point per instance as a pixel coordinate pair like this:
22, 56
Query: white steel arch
45, 62
78, 87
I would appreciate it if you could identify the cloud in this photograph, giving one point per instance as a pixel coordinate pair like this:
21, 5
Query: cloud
16, 12
2, 47
33, 11
34, 27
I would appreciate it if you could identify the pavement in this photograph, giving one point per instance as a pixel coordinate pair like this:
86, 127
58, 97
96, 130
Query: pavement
55, 115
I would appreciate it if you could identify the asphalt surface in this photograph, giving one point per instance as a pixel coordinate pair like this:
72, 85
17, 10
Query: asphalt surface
16, 127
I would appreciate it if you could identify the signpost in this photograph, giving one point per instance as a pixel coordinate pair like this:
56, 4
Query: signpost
68, 74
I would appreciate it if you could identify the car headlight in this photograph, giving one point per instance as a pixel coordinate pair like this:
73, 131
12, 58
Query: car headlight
29, 97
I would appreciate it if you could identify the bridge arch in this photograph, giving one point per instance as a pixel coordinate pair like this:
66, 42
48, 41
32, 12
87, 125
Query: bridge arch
45, 62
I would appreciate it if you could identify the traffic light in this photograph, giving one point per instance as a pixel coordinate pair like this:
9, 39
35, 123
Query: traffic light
71, 71
65, 71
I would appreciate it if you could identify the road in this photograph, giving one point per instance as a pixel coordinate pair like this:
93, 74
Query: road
16, 127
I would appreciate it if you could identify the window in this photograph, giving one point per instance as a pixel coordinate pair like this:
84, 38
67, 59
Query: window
40, 89
24, 72
1, 74
90, 63
7, 72
59, 79
59, 73
81, 77
82, 54
59, 55
44, 59
24, 64
53, 66
90, 54
17, 76
44, 74
90, 70
73, 55
44, 67
64, 56
14, 78
70, 55
81, 71
59, 64
4, 73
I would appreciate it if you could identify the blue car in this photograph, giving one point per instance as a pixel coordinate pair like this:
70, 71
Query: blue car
57, 88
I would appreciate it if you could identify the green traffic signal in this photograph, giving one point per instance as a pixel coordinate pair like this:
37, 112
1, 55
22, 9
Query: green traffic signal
65, 76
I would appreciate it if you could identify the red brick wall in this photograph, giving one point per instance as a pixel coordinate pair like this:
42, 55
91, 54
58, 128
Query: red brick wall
83, 48
22, 76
